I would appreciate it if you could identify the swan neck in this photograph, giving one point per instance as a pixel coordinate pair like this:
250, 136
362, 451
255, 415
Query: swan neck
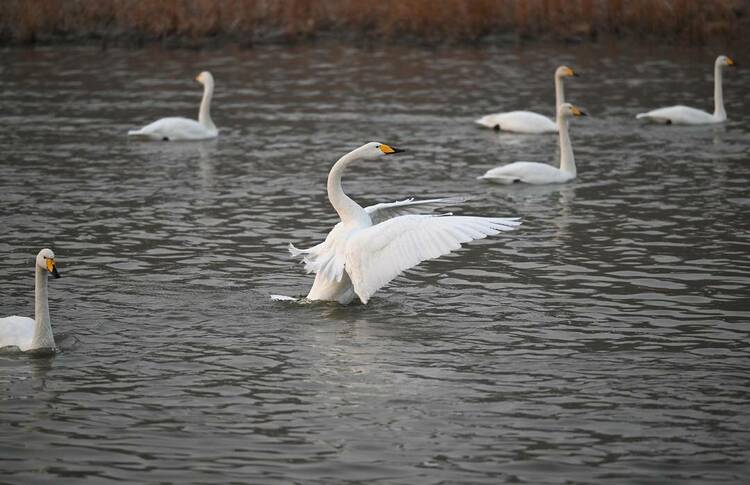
567, 161
559, 92
204, 115
719, 112
346, 208
43, 337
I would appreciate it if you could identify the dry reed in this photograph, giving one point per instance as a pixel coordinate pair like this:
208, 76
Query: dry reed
431, 21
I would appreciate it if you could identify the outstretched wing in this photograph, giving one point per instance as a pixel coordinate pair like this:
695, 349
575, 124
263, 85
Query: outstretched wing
376, 255
388, 210
326, 258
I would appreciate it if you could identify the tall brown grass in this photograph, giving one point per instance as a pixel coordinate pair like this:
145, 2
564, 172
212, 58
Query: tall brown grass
248, 21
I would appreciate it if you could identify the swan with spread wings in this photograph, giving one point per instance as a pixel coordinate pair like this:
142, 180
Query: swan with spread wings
373, 245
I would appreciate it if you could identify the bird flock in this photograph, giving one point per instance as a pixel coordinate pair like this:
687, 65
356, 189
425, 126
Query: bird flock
372, 245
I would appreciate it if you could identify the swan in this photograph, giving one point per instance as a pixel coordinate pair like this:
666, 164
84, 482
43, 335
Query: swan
174, 129
528, 121
373, 245
26, 333
685, 115
542, 173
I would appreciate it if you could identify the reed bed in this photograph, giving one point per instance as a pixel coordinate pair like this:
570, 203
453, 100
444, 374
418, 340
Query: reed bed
430, 21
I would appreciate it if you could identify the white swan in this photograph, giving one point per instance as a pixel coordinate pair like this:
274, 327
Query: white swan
174, 129
542, 173
26, 333
685, 115
528, 121
373, 245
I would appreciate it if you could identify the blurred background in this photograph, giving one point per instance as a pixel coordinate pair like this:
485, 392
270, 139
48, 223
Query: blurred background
247, 22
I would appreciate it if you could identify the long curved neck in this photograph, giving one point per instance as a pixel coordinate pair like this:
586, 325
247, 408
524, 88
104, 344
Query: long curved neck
204, 115
43, 337
567, 161
559, 93
719, 112
346, 208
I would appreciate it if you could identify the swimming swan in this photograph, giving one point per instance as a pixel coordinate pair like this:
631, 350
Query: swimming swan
685, 115
175, 129
541, 173
528, 121
373, 245
26, 333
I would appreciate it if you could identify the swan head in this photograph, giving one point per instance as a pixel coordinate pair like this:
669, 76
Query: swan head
46, 260
375, 149
725, 61
205, 78
565, 71
567, 110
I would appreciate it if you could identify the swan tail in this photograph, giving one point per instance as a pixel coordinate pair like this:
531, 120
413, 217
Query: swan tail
641, 116
485, 121
311, 263
498, 179
296, 252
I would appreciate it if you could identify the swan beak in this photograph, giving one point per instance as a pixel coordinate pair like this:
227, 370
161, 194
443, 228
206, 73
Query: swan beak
572, 73
52, 268
389, 150
578, 111
730, 62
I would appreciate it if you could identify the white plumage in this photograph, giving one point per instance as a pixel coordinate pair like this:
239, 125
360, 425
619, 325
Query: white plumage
17, 331
377, 254
519, 122
373, 245
685, 115
182, 129
542, 173
529, 121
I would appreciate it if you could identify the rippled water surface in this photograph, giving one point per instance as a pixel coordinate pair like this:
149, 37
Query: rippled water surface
607, 341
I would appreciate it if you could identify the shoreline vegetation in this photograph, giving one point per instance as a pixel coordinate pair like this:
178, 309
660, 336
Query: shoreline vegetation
200, 23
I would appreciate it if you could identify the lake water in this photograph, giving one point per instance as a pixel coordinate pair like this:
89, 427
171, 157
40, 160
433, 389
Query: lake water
607, 341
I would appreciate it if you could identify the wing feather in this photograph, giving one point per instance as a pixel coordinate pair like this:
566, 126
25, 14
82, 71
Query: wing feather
388, 210
327, 257
376, 255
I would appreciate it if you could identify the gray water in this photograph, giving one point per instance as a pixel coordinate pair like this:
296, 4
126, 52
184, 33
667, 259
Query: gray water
607, 341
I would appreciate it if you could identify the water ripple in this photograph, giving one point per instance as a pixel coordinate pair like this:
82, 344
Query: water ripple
604, 342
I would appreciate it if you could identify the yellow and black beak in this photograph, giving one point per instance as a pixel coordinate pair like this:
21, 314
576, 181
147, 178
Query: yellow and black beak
52, 268
730, 62
388, 150
572, 73
578, 111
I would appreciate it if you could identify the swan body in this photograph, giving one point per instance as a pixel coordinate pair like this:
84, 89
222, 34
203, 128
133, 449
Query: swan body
529, 121
685, 115
680, 115
519, 122
373, 245
542, 173
180, 129
33, 333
